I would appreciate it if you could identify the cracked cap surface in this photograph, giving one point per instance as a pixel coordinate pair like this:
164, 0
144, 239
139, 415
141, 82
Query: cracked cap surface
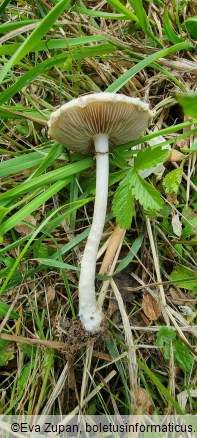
76, 123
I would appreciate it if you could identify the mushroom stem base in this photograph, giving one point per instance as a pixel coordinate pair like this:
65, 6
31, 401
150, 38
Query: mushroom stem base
91, 319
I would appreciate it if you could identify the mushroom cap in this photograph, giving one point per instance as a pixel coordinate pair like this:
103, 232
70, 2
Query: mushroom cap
121, 118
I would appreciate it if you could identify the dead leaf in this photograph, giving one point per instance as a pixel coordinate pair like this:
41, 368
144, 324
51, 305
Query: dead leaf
144, 403
50, 294
24, 229
70, 276
177, 296
176, 225
102, 356
175, 156
183, 143
172, 198
115, 239
150, 307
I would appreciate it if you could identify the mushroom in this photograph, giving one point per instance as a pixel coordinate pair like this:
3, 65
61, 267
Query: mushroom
91, 124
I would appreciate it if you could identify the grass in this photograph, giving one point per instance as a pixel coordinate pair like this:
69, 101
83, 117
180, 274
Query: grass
145, 360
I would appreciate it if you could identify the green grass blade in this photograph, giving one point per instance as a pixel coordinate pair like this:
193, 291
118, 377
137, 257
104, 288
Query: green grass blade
160, 387
33, 205
140, 17
100, 49
17, 164
170, 76
9, 27
56, 264
113, 350
35, 37
120, 82
129, 15
100, 14
131, 255
42, 180
51, 44
24, 250
168, 29
165, 131
49, 160
4, 308
141, 14
3, 5
50, 226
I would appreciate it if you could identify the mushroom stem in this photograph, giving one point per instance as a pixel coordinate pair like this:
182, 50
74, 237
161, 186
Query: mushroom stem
89, 313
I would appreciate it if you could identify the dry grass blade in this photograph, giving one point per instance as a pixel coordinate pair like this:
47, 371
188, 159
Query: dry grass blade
92, 394
56, 391
157, 269
179, 330
131, 347
19, 31
86, 373
60, 346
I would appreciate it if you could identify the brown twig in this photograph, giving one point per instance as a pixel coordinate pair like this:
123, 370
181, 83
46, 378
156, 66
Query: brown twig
34, 341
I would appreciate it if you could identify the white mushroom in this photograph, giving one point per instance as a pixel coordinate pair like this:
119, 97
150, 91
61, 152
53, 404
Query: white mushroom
92, 124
